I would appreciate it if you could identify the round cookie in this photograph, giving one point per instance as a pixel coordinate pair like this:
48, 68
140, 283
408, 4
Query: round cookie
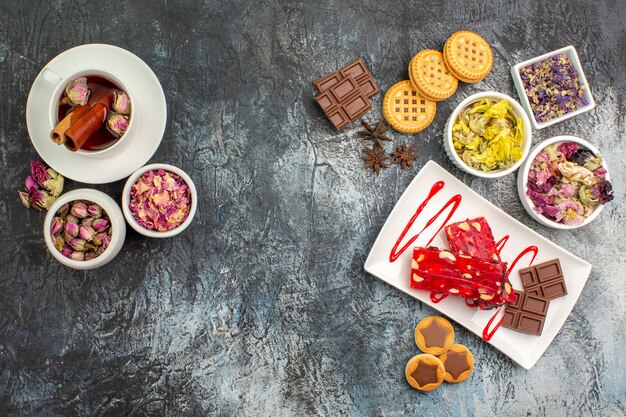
424, 372
431, 77
434, 335
468, 56
406, 109
458, 362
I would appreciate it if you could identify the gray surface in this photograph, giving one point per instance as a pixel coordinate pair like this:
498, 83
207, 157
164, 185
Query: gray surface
262, 306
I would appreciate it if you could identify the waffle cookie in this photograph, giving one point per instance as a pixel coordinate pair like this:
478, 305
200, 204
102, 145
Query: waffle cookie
406, 109
468, 56
458, 362
424, 372
431, 77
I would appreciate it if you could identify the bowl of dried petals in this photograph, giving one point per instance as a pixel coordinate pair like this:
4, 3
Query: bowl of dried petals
159, 200
84, 229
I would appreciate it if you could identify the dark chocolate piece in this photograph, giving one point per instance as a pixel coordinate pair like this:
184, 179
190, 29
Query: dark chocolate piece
357, 70
545, 279
344, 102
527, 314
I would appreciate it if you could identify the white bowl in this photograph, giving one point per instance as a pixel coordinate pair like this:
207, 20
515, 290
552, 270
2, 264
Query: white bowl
126, 201
522, 181
519, 86
519, 112
118, 227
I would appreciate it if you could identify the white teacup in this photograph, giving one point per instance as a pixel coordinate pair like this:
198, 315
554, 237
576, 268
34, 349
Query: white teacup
60, 83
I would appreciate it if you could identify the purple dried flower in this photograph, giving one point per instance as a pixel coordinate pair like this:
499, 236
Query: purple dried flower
118, 123
568, 149
581, 156
65, 208
77, 243
40, 199
91, 255
40, 173
31, 183
77, 91
603, 191
121, 103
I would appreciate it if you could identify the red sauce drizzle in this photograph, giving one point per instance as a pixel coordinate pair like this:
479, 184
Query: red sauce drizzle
488, 334
454, 202
436, 297
501, 243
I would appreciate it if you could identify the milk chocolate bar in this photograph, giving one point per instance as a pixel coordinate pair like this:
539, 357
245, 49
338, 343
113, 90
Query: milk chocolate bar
527, 314
357, 70
545, 279
344, 102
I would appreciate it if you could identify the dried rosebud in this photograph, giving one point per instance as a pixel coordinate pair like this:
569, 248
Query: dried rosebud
91, 255
79, 209
40, 199
39, 172
67, 250
71, 228
118, 123
94, 211
121, 103
86, 232
100, 224
58, 242
71, 218
97, 238
55, 185
77, 255
88, 221
30, 182
65, 208
77, 243
77, 91
24, 198
106, 240
57, 226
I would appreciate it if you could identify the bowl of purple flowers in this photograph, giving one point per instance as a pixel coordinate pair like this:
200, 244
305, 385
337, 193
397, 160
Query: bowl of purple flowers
564, 183
552, 87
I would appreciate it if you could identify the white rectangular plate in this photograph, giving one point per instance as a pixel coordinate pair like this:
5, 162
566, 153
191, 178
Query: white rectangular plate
522, 348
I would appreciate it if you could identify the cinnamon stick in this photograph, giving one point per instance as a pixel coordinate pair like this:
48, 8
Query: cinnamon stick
84, 127
58, 133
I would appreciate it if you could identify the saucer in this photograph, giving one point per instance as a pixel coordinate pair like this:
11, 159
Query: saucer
149, 113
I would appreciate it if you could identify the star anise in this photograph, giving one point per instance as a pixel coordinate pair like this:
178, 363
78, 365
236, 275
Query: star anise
404, 156
375, 134
375, 159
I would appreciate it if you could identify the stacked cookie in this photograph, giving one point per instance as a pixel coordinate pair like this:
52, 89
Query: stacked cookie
442, 360
410, 106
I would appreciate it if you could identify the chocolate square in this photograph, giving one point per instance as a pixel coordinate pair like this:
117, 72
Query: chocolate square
344, 102
545, 279
355, 69
527, 315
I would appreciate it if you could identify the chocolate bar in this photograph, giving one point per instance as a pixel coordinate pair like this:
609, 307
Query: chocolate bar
357, 70
344, 102
527, 314
439, 270
545, 279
